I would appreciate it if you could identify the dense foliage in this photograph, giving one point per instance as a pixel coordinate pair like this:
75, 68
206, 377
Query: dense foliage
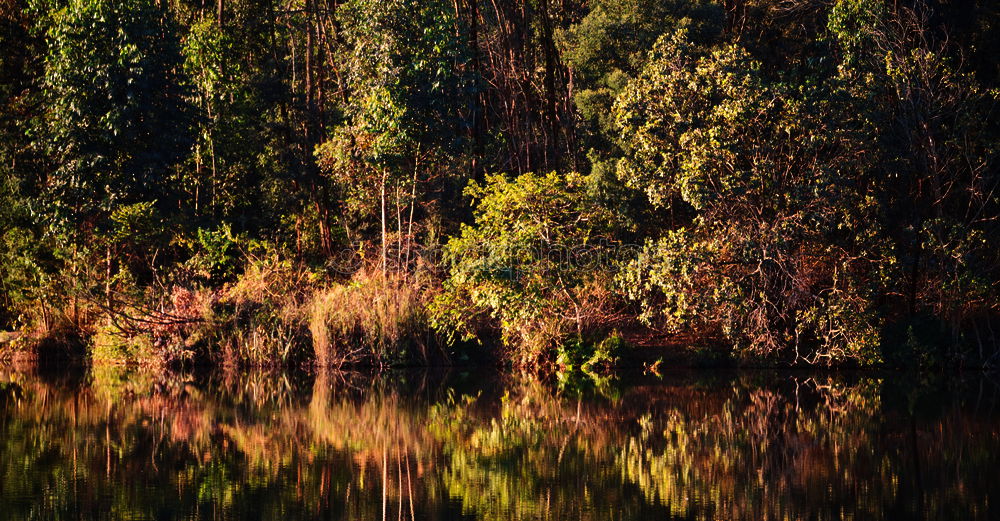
277, 181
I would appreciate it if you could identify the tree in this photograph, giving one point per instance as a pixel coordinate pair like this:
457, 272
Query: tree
115, 120
778, 248
401, 127
936, 172
19, 165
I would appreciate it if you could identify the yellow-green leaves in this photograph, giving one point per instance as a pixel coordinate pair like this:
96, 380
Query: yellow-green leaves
534, 264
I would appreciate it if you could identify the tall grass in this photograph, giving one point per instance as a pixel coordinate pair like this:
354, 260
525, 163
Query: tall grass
266, 326
372, 318
278, 312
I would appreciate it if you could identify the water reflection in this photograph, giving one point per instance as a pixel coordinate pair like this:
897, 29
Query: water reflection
118, 444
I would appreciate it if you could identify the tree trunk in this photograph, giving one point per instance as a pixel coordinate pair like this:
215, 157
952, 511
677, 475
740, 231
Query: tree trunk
399, 225
413, 204
549, 56
382, 199
310, 84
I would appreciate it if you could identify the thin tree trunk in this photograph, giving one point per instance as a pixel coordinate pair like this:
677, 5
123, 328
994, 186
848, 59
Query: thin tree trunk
211, 152
382, 198
309, 87
413, 204
476, 101
107, 279
548, 54
399, 225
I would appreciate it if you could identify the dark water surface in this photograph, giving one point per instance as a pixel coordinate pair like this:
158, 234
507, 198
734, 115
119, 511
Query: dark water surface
115, 444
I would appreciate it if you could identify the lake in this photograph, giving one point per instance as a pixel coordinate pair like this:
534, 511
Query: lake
114, 443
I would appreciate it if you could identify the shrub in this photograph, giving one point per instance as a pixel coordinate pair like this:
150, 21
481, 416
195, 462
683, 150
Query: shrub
530, 267
591, 357
256, 320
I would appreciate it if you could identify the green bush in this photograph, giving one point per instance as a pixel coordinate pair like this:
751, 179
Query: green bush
526, 268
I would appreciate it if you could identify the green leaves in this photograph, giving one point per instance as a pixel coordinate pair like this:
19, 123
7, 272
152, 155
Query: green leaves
114, 122
534, 263
762, 166
686, 119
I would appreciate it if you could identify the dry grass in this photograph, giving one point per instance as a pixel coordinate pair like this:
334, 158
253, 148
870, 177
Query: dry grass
277, 313
370, 319
265, 326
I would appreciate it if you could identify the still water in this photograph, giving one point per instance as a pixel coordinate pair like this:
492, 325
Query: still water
111, 443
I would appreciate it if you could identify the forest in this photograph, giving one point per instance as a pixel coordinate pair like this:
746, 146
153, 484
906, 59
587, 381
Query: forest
542, 184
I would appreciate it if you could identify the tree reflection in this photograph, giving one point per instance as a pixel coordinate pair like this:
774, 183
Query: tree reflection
115, 443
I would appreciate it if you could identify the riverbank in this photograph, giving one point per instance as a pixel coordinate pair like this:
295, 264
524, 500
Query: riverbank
281, 313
